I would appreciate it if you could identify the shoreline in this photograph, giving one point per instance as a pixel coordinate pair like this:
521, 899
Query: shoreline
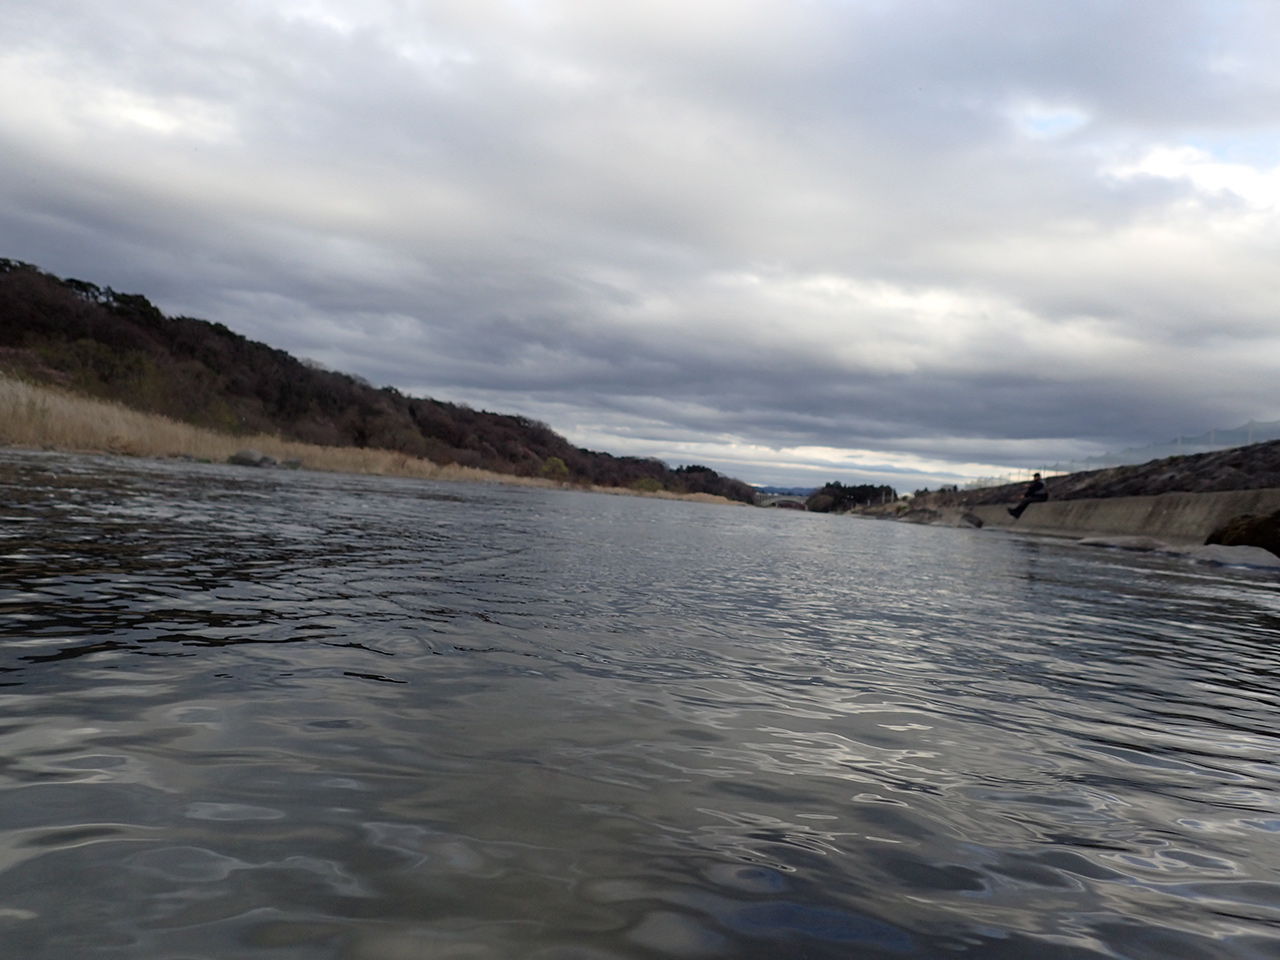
34, 417
1183, 518
1174, 524
1177, 523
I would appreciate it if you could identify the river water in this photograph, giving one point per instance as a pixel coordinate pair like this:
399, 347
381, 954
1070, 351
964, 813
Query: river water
268, 714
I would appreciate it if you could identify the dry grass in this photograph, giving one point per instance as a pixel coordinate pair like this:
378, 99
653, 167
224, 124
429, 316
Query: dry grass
46, 418
41, 417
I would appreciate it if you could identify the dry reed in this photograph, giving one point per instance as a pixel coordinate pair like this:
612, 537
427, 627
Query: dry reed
44, 417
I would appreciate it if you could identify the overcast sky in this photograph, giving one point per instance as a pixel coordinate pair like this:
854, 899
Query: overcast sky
911, 241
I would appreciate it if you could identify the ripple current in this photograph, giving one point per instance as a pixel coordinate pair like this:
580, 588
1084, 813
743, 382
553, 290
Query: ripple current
278, 714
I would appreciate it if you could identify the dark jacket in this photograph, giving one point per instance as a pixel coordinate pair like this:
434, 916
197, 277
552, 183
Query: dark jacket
1036, 491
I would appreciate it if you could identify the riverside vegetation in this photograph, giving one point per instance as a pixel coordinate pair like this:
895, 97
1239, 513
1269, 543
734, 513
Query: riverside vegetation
835, 497
84, 367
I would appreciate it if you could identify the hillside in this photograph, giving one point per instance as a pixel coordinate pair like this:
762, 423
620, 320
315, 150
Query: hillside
1252, 467
113, 346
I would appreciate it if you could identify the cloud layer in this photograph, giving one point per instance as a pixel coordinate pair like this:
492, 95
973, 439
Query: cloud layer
912, 241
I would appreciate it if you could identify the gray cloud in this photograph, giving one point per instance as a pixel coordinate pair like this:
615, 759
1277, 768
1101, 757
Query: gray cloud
928, 238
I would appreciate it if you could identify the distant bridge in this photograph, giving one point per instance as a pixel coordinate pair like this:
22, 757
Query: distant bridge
787, 501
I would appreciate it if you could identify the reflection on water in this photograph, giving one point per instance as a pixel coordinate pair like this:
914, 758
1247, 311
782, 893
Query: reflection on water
268, 714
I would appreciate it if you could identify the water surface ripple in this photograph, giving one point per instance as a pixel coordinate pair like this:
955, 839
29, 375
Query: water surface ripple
266, 714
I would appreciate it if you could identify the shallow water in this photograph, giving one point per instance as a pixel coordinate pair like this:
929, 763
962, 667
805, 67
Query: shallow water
271, 714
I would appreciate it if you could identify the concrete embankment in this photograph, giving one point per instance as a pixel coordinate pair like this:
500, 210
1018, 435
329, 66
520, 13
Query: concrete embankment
1176, 518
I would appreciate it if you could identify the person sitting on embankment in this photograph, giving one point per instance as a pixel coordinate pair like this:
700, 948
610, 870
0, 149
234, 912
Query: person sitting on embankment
1036, 492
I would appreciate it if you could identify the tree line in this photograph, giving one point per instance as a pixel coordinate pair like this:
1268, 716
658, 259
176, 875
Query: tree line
835, 497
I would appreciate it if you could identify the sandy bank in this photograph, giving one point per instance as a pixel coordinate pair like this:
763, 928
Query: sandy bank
1175, 518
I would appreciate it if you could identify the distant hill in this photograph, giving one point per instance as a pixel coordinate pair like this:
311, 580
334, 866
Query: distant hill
116, 346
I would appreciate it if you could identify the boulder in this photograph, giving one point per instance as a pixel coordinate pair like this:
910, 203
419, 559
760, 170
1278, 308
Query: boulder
1249, 530
248, 458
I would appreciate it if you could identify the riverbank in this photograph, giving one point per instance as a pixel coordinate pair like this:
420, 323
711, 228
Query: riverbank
1175, 518
44, 418
1178, 524
1177, 501
90, 341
